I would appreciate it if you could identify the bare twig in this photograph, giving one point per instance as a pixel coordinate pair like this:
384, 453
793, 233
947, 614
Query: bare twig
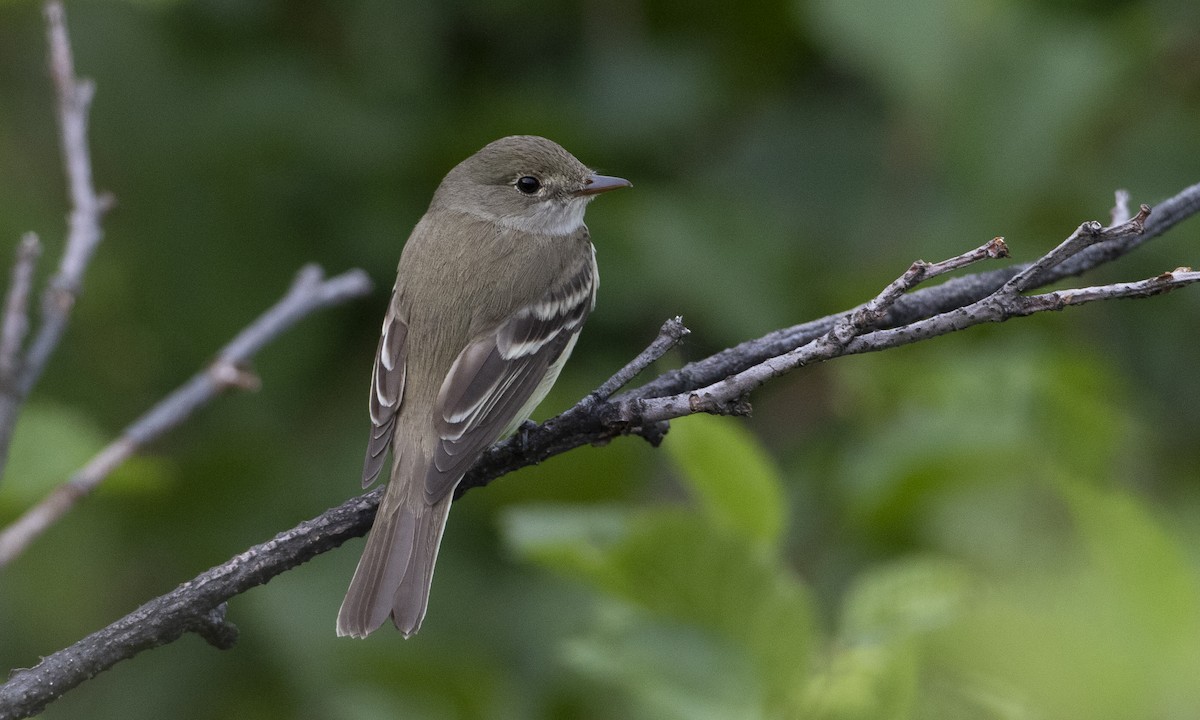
74, 103
919, 304
724, 397
669, 335
309, 292
84, 231
872, 313
16, 310
1157, 285
1086, 235
847, 337
728, 395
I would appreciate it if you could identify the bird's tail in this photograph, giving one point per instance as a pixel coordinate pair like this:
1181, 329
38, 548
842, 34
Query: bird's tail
396, 568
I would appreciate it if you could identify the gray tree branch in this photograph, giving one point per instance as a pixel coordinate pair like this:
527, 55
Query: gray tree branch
309, 293
922, 303
855, 332
83, 235
704, 386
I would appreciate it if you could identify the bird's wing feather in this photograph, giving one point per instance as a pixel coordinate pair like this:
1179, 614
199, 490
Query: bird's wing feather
387, 391
496, 381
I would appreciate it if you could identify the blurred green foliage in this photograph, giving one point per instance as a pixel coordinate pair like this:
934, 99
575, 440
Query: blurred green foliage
997, 524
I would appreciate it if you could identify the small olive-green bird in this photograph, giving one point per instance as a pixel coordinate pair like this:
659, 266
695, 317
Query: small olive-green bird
493, 287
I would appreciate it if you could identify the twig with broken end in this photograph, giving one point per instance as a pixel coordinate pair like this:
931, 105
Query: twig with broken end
1157, 285
997, 309
1086, 235
309, 292
669, 335
215, 628
871, 313
728, 396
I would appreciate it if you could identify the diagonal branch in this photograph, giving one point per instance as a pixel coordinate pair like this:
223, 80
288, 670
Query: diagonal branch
198, 605
309, 292
669, 335
727, 396
1085, 236
923, 303
195, 606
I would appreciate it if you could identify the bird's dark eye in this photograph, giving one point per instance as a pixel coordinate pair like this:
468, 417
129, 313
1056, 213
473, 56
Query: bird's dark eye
529, 184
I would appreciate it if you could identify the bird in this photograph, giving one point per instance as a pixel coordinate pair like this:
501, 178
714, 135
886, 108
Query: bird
492, 288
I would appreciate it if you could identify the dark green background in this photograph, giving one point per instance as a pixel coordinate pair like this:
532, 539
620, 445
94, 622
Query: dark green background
997, 524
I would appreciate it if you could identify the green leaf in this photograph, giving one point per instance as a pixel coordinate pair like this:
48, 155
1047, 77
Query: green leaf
730, 474
868, 681
676, 564
904, 598
873, 669
666, 670
993, 416
50, 443
1100, 623
1146, 574
573, 541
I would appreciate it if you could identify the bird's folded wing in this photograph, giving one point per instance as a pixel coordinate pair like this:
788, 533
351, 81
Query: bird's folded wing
497, 377
387, 392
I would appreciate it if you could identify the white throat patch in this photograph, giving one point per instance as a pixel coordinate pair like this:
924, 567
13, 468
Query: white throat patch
548, 218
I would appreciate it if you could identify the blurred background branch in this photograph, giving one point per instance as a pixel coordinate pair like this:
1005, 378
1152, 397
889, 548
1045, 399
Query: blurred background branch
310, 293
83, 236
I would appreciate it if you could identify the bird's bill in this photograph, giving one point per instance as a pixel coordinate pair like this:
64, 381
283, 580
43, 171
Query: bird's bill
597, 184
